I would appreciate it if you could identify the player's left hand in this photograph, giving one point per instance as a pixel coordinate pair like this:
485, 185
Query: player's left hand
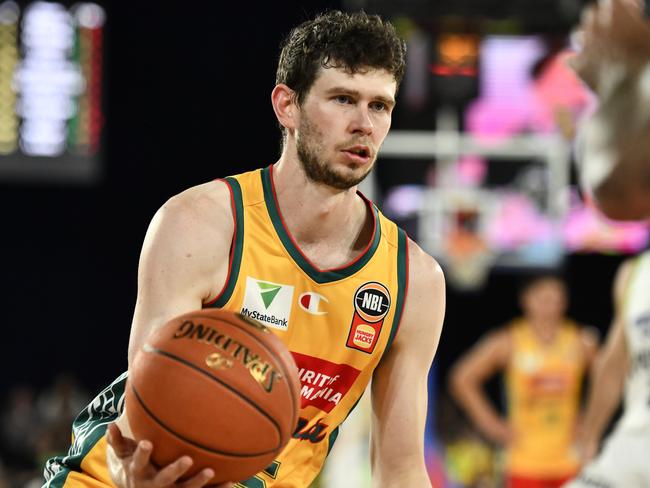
614, 35
138, 472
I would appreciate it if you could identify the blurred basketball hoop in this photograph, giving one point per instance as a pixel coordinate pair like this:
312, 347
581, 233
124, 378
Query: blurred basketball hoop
453, 227
468, 253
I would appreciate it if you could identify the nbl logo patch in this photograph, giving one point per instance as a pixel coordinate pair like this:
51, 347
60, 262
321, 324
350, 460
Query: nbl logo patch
371, 305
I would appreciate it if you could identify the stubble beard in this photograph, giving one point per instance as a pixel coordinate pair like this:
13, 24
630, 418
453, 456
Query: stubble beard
309, 146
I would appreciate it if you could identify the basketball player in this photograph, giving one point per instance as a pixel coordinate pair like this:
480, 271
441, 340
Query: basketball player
543, 356
615, 61
623, 365
614, 145
297, 247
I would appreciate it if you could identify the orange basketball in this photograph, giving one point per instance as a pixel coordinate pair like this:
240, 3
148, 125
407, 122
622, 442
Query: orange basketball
218, 387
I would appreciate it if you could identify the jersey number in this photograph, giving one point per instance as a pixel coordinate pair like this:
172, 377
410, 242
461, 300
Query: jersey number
256, 481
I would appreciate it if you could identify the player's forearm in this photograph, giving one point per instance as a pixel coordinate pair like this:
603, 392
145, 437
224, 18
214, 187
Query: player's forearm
469, 394
606, 388
405, 472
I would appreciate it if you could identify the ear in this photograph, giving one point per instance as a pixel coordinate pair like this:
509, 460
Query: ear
283, 100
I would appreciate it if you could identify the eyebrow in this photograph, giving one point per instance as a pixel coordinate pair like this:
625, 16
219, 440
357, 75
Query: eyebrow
340, 89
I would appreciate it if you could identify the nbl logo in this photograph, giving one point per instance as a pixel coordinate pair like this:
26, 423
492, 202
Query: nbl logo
372, 302
371, 305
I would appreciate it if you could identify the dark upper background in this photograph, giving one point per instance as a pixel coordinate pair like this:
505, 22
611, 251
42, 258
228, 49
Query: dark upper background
187, 99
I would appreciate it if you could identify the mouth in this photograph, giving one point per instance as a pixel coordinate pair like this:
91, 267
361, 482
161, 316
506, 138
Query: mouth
358, 154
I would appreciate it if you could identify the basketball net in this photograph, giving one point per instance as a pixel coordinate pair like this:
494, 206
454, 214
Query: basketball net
468, 259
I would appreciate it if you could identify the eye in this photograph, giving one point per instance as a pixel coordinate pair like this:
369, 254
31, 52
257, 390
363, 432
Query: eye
378, 106
343, 99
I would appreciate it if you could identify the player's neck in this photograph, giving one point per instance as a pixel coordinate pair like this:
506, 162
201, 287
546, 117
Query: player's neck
545, 329
318, 214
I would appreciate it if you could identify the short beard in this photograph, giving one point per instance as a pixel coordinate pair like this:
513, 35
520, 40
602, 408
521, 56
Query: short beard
308, 146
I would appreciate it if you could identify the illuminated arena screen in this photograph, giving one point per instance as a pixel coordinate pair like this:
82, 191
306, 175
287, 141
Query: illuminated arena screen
51, 117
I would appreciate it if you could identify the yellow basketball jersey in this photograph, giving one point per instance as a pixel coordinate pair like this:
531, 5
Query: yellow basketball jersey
337, 323
543, 388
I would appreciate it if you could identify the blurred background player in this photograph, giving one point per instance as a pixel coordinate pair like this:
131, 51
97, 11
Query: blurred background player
614, 152
615, 163
543, 356
622, 366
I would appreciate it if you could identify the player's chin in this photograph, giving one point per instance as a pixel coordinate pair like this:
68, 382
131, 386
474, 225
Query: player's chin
356, 175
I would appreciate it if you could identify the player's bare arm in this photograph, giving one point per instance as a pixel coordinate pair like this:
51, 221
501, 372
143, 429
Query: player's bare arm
183, 264
399, 386
589, 344
614, 148
608, 377
589, 339
489, 356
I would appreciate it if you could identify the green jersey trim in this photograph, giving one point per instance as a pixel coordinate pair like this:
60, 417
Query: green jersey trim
318, 275
88, 428
237, 244
402, 283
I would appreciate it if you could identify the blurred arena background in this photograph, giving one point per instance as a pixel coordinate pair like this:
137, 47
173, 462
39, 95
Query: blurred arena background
107, 109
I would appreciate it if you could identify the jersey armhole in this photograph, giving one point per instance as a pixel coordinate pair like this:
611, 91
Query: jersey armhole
402, 284
236, 247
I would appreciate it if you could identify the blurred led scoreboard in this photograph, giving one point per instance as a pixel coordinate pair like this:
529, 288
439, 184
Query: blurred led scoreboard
51, 117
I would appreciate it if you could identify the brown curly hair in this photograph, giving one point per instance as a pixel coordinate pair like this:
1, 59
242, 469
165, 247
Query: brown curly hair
350, 41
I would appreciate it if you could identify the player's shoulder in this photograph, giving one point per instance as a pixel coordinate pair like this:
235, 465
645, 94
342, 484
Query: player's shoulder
627, 266
424, 307
425, 295
424, 270
624, 274
198, 220
205, 205
589, 337
502, 339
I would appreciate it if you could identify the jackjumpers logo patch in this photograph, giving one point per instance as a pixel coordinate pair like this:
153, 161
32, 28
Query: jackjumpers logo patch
371, 305
267, 302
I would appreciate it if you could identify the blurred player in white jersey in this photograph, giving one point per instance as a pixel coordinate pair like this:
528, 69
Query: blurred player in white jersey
623, 369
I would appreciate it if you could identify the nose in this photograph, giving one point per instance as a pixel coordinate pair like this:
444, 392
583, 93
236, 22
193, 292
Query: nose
362, 122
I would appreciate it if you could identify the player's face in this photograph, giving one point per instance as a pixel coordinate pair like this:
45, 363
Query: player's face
343, 122
545, 299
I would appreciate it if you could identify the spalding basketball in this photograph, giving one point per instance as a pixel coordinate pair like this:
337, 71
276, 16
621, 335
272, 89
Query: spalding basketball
218, 387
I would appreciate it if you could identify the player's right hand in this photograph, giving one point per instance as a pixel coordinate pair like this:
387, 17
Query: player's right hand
499, 432
586, 445
587, 451
136, 470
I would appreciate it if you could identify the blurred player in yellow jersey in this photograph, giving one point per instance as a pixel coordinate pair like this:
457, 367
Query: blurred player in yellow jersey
543, 356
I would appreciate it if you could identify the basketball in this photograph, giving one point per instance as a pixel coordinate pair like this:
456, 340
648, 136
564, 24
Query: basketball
218, 387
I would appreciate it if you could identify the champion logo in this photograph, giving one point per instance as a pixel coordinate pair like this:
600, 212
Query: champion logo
311, 302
